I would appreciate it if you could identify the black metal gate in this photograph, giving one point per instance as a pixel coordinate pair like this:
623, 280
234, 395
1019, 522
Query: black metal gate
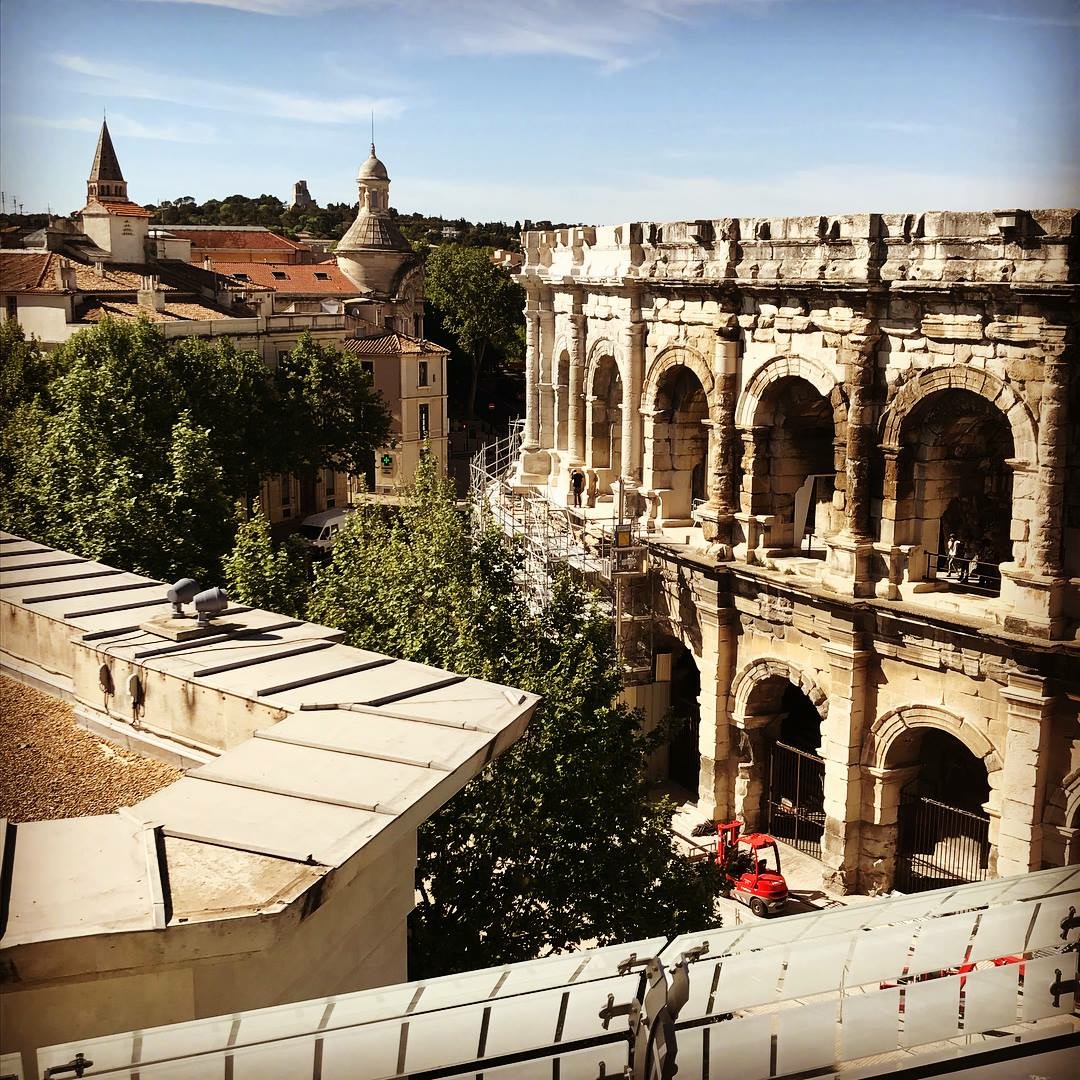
938, 845
795, 797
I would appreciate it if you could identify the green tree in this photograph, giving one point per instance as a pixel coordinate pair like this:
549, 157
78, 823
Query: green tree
556, 843
479, 304
331, 417
266, 575
25, 368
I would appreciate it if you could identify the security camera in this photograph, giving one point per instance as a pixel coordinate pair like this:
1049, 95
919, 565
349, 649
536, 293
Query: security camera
183, 592
210, 603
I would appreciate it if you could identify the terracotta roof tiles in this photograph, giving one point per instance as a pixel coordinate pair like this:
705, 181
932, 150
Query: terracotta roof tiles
306, 279
235, 239
390, 344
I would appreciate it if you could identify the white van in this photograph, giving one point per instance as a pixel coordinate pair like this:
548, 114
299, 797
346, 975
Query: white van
321, 530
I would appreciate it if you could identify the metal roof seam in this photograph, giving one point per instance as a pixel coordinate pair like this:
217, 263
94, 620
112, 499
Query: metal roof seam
283, 654
310, 680
89, 592
58, 580
269, 735
292, 793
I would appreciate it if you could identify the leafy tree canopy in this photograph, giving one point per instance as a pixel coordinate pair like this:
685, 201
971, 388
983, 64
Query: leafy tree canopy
556, 843
127, 447
481, 308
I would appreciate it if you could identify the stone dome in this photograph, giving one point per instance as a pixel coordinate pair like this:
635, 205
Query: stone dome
373, 168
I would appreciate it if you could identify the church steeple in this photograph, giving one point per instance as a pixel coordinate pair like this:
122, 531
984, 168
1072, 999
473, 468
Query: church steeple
106, 182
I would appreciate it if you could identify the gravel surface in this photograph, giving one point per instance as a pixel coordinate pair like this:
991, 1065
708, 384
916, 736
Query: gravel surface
52, 768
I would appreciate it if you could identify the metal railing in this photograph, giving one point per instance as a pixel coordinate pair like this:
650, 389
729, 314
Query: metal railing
964, 573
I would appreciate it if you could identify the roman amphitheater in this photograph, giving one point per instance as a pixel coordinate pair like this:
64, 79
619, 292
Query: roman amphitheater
790, 418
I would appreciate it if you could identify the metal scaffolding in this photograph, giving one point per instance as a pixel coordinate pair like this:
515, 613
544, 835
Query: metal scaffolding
608, 555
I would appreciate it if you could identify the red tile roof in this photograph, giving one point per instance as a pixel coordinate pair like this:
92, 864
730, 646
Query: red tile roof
124, 209
234, 239
390, 344
308, 279
25, 271
96, 310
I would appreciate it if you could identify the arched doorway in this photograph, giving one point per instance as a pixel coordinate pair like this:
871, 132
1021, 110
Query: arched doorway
943, 829
605, 436
953, 479
782, 774
562, 400
791, 473
680, 442
684, 757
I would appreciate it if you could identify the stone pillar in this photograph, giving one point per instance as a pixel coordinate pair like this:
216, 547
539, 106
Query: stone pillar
1033, 597
881, 802
718, 645
718, 514
547, 432
533, 466
849, 554
750, 771
842, 734
1024, 769
1046, 547
755, 482
634, 350
575, 414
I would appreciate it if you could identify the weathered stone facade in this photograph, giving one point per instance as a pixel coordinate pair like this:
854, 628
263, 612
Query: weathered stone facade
822, 400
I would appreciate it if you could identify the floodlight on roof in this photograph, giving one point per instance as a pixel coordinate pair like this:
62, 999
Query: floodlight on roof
183, 592
209, 603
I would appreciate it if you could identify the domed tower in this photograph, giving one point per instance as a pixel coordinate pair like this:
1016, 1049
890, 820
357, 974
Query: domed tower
374, 254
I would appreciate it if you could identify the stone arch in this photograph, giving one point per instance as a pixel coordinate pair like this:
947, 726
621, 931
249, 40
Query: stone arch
597, 351
675, 356
759, 671
976, 380
815, 373
891, 725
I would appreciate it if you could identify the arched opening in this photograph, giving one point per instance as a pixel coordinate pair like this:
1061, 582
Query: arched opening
605, 443
562, 400
942, 834
680, 442
953, 480
684, 757
782, 743
1072, 844
791, 474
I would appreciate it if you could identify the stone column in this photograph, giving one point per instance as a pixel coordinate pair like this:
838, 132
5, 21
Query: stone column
532, 469
718, 645
750, 771
1024, 769
842, 734
1046, 546
849, 553
575, 414
881, 801
755, 482
718, 514
547, 433
634, 349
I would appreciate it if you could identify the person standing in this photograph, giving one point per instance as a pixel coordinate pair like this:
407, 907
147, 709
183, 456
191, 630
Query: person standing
953, 551
577, 484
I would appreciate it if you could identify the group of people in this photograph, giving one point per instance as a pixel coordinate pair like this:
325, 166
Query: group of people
961, 564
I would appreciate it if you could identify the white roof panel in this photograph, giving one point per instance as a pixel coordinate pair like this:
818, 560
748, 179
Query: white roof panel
82, 876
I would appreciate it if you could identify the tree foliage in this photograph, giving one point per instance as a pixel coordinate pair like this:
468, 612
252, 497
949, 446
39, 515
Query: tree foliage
556, 843
129, 448
265, 575
480, 305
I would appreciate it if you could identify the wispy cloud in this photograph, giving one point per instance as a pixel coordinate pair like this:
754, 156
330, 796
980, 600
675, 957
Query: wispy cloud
1064, 19
610, 33
126, 81
125, 126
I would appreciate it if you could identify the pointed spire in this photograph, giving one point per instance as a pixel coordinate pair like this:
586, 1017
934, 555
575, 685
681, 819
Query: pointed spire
106, 167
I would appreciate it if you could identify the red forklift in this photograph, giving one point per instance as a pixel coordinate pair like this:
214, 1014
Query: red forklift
752, 877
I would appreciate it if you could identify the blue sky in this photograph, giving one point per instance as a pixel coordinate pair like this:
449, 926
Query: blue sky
576, 110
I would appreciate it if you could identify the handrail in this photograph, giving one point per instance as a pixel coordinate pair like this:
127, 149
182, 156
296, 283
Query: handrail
965, 573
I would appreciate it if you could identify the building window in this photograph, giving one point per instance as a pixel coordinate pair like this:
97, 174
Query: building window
368, 366
286, 496
321, 275
422, 417
388, 323
279, 275
418, 326
12, 307
421, 373
330, 492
